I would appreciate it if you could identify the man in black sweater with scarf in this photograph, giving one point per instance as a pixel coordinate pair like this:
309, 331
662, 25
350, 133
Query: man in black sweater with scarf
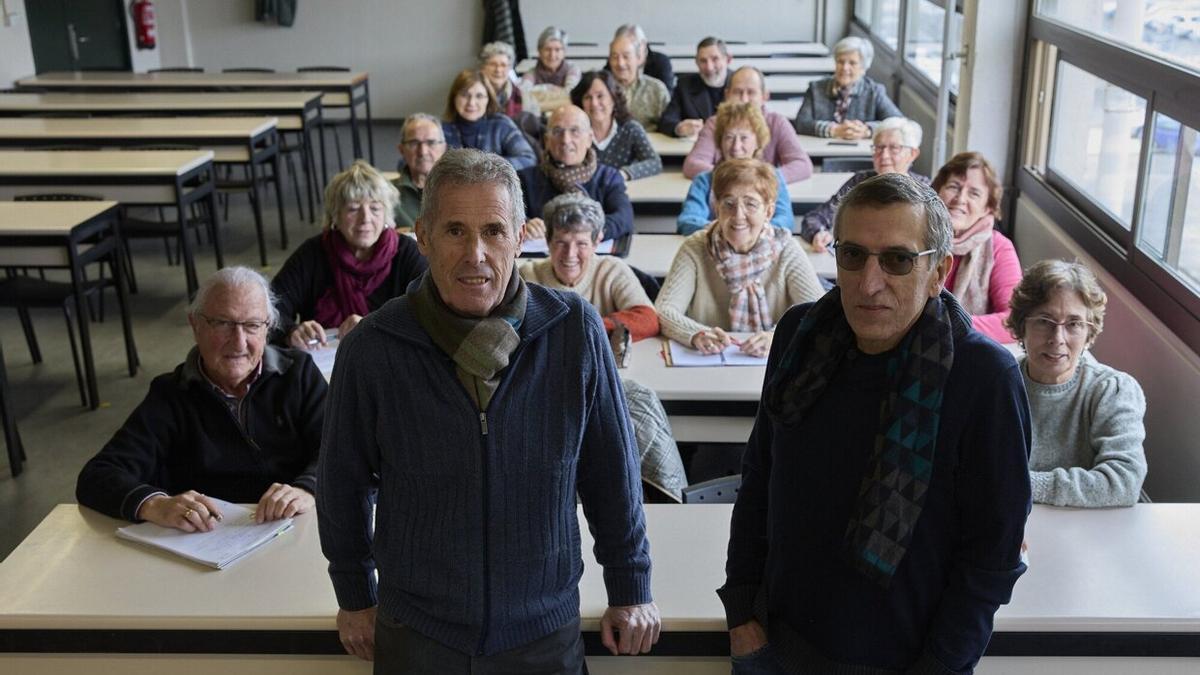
885, 485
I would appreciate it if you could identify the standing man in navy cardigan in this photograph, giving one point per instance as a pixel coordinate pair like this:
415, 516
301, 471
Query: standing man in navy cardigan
479, 407
885, 485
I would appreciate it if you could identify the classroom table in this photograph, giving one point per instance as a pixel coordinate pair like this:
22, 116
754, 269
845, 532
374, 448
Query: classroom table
687, 50
790, 86
298, 112
788, 108
653, 253
673, 150
664, 193
342, 89
70, 235
1107, 587
249, 142
176, 178
792, 65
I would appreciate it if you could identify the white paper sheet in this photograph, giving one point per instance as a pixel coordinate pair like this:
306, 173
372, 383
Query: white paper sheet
539, 245
686, 357
233, 537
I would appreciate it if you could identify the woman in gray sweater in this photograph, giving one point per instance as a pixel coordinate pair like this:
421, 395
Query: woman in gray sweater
1087, 417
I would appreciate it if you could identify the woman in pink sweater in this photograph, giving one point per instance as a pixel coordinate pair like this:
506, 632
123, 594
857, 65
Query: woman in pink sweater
986, 268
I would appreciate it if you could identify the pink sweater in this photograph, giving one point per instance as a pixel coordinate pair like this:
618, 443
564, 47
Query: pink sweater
1006, 274
783, 150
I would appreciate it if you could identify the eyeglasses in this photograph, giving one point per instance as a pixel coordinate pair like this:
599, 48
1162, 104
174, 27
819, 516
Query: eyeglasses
469, 96
852, 258
890, 149
226, 327
573, 132
749, 204
1044, 326
412, 144
744, 139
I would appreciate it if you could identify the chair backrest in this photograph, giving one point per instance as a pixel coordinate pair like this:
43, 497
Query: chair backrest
164, 146
721, 490
649, 283
175, 70
323, 69
57, 197
247, 70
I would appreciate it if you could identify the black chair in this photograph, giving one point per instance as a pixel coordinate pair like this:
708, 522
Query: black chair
649, 283
722, 490
175, 70
247, 70
326, 122
12, 439
835, 164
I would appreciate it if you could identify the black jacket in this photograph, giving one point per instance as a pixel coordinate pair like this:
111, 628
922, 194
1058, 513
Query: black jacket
182, 436
659, 65
692, 99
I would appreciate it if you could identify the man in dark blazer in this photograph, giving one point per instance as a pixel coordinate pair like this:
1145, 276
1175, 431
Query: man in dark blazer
697, 95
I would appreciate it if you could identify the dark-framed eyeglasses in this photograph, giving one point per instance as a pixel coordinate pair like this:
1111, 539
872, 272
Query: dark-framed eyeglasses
1044, 326
414, 143
852, 258
226, 327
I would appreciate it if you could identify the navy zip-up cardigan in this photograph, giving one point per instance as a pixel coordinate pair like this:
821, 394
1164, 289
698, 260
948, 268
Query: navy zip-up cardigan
605, 186
476, 537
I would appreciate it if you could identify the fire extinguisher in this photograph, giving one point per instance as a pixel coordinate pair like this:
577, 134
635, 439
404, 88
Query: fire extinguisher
143, 23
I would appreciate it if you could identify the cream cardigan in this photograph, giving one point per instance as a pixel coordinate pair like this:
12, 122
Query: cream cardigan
694, 295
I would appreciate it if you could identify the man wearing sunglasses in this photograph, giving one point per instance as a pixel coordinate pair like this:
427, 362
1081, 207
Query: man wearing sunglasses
239, 420
884, 487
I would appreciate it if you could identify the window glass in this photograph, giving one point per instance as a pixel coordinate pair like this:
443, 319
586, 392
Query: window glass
863, 11
1170, 231
1163, 28
1095, 139
886, 23
923, 40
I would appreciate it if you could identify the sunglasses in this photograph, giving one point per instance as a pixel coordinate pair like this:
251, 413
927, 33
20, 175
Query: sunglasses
852, 258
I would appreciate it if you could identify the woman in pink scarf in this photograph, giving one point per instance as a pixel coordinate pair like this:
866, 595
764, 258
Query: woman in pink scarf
986, 268
356, 264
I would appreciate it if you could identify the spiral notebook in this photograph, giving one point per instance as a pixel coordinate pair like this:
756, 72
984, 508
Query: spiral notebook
679, 356
235, 536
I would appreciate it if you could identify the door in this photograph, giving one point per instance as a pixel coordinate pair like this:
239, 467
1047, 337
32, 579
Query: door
78, 34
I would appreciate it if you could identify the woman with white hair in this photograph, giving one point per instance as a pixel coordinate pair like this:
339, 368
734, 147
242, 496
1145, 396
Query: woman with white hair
897, 143
496, 61
552, 64
848, 104
356, 264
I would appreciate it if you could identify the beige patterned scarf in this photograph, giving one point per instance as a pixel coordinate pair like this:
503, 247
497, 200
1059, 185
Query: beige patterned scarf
749, 311
973, 250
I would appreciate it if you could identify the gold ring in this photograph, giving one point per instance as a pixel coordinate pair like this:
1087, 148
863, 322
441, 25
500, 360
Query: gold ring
187, 515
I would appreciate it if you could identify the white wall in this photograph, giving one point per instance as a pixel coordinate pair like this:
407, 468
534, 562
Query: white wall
1138, 343
16, 52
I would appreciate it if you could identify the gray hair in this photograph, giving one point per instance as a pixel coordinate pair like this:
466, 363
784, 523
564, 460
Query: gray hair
498, 49
550, 34
887, 189
856, 44
361, 182
412, 120
711, 41
573, 212
467, 166
633, 32
1041, 279
910, 132
235, 277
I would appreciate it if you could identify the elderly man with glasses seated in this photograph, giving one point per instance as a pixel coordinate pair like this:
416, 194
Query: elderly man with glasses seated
569, 164
422, 144
238, 420
897, 144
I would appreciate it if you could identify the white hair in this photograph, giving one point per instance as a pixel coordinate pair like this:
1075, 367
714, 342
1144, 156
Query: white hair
909, 130
856, 44
497, 49
470, 167
412, 119
633, 32
235, 277
550, 34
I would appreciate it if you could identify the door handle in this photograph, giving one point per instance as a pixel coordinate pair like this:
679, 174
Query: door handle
72, 39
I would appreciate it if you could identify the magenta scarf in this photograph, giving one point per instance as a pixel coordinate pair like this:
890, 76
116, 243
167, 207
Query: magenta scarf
353, 279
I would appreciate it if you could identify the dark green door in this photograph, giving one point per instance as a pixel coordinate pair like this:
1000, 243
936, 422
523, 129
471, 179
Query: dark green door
78, 34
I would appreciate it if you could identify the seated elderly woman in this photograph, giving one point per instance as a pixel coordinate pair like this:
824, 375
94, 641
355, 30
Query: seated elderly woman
496, 63
620, 141
1086, 416
473, 120
238, 420
552, 67
573, 224
849, 104
897, 143
742, 132
738, 274
985, 268
354, 266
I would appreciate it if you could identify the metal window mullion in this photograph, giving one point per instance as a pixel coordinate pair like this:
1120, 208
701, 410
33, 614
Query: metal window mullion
1179, 195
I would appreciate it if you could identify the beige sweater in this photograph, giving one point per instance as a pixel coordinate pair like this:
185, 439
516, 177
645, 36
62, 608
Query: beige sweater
608, 283
694, 295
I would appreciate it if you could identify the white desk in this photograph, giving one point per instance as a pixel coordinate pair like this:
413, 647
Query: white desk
673, 150
664, 193
1120, 582
688, 50
653, 253
789, 86
819, 66
177, 178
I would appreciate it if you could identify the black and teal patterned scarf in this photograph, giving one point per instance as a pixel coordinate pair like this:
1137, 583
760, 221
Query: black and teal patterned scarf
901, 465
480, 348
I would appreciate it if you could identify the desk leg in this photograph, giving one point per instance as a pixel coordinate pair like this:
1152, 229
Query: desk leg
256, 203
324, 160
283, 234
213, 218
85, 332
185, 244
118, 265
357, 143
306, 156
12, 439
370, 135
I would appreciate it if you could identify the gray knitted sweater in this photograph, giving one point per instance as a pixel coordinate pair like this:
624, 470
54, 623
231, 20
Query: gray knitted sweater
1087, 437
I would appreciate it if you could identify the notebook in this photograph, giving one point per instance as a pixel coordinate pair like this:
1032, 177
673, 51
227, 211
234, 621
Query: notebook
539, 246
323, 357
680, 356
232, 539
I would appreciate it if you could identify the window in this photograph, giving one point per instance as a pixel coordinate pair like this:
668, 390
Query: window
1168, 30
923, 40
864, 11
1095, 139
882, 18
1170, 228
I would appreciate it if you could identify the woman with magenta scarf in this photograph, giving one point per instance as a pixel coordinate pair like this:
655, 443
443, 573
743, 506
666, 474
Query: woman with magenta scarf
356, 264
986, 268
